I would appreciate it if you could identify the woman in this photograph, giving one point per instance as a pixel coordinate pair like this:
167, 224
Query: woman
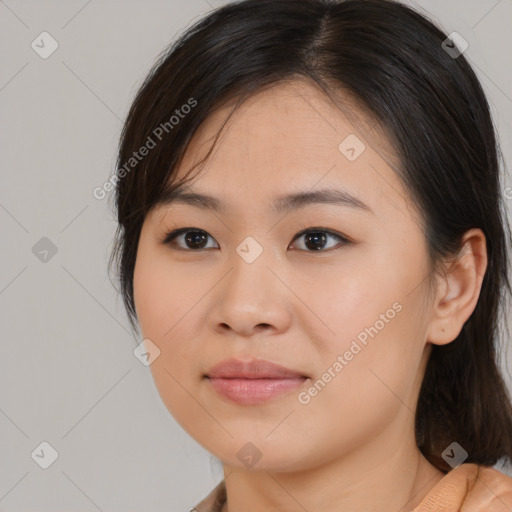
320, 303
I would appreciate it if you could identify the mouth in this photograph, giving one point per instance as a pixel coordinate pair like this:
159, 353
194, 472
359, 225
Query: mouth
253, 382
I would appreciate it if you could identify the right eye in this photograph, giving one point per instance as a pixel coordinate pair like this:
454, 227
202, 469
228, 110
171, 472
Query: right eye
193, 238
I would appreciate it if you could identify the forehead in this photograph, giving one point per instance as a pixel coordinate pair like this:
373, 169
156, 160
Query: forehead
292, 137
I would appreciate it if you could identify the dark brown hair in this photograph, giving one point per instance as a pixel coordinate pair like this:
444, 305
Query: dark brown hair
429, 102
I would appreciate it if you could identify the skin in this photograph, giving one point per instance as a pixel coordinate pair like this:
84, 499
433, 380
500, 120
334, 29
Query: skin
301, 308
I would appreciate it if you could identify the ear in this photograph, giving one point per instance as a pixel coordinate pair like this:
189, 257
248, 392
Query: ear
458, 289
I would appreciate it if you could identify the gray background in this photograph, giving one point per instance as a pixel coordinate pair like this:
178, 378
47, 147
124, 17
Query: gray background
68, 375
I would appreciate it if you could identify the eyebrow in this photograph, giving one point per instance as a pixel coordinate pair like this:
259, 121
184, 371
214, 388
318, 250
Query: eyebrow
282, 204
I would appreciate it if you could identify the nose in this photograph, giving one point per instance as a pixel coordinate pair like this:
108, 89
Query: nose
252, 298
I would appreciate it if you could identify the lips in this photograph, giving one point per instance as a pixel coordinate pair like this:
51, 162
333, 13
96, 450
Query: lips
253, 382
253, 369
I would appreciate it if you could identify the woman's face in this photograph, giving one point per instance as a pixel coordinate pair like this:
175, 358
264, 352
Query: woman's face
350, 316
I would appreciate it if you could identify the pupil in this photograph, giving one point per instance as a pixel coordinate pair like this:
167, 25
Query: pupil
195, 237
315, 237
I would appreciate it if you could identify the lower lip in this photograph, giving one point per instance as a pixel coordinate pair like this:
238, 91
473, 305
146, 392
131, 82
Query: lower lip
254, 391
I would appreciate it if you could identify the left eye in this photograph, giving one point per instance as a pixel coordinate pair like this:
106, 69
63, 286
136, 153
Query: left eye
315, 239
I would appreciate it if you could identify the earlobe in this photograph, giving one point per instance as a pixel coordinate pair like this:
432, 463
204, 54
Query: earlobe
458, 289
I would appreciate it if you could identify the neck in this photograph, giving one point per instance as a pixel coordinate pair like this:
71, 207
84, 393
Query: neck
388, 474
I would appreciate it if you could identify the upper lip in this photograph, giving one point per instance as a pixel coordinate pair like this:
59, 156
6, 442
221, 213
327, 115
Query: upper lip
252, 369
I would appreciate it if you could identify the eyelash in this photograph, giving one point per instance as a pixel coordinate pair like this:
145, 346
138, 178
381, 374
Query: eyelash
170, 236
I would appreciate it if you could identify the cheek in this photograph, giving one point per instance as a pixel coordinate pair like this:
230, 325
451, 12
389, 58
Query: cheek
368, 331
342, 302
168, 304
373, 297
162, 294
165, 300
